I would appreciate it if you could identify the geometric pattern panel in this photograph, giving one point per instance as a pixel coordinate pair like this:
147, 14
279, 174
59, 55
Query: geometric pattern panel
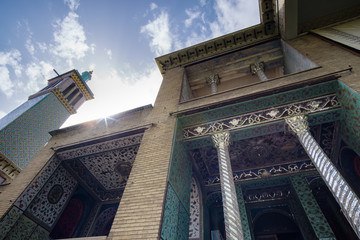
311, 208
107, 167
22, 139
350, 129
85, 178
170, 218
35, 186
194, 224
50, 201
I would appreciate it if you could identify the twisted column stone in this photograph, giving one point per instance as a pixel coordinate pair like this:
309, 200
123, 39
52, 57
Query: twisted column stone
341, 190
233, 227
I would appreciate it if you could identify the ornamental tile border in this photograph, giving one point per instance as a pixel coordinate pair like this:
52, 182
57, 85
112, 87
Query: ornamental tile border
275, 114
243, 213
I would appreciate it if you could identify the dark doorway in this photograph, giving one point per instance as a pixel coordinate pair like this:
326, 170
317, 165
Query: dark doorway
275, 225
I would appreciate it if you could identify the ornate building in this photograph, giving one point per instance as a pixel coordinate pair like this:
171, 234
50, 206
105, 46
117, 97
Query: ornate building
253, 135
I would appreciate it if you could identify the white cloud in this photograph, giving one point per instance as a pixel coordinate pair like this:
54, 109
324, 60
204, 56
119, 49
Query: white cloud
42, 46
2, 114
153, 6
159, 32
202, 2
92, 48
195, 38
233, 15
37, 74
6, 86
12, 58
70, 39
109, 53
73, 4
30, 47
192, 15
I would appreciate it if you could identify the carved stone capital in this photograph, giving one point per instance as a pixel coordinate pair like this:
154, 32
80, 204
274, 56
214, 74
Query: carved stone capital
221, 139
254, 68
298, 124
213, 79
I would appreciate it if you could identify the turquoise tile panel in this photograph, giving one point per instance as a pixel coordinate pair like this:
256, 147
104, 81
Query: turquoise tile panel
180, 169
170, 218
242, 209
316, 218
9, 220
22, 138
40, 234
350, 123
22, 229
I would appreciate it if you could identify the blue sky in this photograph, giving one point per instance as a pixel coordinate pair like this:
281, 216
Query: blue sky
117, 39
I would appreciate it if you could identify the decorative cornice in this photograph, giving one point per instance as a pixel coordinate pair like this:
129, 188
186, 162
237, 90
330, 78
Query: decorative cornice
228, 43
100, 147
63, 100
314, 105
82, 87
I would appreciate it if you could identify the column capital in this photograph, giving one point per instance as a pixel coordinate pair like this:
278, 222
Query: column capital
213, 79
221, 139
298, 124
255, 67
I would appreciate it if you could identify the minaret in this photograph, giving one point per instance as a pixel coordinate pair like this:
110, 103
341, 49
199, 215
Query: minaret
25, 130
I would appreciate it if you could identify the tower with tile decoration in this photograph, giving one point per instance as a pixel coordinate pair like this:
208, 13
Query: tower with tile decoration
253, 135
24, 131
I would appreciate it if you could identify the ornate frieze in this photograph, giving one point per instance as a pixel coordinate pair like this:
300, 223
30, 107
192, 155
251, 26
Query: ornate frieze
267, 194
264, 173
265, 116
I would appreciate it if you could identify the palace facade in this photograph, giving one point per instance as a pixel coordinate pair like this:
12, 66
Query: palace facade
253, 135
